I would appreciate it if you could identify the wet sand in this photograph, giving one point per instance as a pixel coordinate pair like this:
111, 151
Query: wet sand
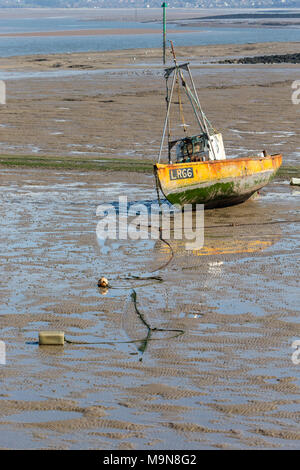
228, 381
111, 104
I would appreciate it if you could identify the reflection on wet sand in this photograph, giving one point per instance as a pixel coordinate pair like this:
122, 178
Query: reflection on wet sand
231, 235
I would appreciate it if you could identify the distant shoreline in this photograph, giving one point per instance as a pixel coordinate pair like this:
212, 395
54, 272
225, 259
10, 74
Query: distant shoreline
92, 32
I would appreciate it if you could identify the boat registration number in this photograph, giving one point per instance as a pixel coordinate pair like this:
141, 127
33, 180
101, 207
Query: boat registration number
181, 173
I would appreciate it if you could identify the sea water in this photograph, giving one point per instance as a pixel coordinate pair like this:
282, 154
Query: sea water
186, 36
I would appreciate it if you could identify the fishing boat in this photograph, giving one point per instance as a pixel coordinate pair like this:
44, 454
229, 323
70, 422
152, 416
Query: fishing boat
197, 170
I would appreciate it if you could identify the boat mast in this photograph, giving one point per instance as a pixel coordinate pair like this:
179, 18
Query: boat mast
169, 101
193, 98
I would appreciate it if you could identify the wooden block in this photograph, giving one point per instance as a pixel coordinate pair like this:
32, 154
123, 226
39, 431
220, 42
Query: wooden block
295, 182
54, 338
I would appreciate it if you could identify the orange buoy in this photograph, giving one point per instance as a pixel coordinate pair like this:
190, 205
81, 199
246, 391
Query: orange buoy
103, 282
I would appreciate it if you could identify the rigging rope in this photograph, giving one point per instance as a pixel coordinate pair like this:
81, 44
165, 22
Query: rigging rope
177, 331
181, 115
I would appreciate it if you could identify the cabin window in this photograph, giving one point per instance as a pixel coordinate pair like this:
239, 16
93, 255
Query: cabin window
191, 149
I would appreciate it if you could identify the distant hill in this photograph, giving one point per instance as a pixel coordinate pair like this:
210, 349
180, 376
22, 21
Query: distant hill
149, 3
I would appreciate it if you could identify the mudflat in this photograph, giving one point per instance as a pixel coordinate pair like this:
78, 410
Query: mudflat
229, 381
111, 104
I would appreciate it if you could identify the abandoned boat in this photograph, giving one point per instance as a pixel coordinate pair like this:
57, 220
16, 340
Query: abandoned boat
198, 171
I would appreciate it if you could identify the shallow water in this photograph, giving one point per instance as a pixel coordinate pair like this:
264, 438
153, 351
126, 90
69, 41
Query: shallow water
11, 46
41, 416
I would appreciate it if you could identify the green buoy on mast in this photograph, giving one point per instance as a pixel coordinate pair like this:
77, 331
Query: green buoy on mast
164, 6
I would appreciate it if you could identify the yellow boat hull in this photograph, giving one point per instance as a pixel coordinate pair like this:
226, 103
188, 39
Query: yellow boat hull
216, 183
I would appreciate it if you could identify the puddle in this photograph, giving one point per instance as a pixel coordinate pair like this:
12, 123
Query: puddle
41, 416
29, 147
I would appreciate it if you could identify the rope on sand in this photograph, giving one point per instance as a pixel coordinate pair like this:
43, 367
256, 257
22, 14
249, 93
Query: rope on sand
177, 332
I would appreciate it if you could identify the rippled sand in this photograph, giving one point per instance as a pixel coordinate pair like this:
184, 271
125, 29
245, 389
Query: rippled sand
228, 382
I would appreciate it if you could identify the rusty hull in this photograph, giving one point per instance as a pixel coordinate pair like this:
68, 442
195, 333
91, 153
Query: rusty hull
216, 183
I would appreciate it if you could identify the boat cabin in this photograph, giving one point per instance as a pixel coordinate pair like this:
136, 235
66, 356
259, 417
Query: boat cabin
197, 148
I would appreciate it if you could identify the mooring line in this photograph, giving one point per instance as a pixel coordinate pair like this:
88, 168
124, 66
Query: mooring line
171, 253
151, 280
175, 330
133, 296
160, 229
271, 222
141, 278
